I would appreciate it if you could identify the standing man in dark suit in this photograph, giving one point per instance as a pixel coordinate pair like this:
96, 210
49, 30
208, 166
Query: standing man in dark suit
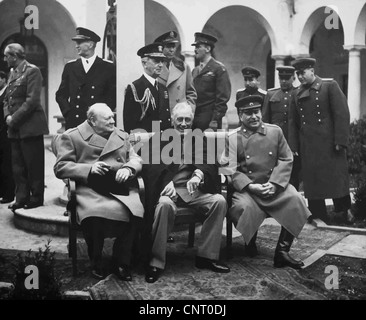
276, 110
212, 84
27, 124
85, 81
191, 184
147, 100
319, 131
7, 186
176, 74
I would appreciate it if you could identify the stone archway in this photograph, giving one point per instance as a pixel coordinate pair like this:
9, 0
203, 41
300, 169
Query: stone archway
244, 43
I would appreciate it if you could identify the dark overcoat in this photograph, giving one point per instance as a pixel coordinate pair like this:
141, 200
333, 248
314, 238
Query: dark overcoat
77, 150
23, 102
319, 121
260, 158
144, 104
213, 88
79, 90
276, 108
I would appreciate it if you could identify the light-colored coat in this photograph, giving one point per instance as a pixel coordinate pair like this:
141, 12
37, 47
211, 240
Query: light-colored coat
77, 150
178, 79
260, 158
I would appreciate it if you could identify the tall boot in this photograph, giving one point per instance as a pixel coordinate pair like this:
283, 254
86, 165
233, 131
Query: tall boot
251, 247
282, 257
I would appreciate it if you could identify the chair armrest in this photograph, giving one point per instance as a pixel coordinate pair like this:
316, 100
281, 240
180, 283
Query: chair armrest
141, 184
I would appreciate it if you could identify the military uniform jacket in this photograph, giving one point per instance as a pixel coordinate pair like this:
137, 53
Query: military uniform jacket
178, 79
23, 102
77, 150
319, 121
213, 88
276, 108
144, 104
79, 90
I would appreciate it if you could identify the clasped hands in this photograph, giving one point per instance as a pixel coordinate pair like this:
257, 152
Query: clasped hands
265, 190
101, 168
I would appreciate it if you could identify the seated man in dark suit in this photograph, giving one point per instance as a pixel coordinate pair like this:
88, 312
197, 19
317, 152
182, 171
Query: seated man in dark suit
99, 157
193, 185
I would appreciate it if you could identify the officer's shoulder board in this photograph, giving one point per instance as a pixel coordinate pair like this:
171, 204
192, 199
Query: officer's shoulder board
221, 65
240, 90
233, 131
72, 61
271, 125
109, 61
327, 79
262, 91
272, 89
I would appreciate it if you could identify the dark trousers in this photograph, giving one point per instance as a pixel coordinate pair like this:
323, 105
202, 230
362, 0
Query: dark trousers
96, 229
318, 208
7, 186
295, 173
28, 169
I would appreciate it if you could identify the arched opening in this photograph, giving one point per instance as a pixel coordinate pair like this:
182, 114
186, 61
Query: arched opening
36, 53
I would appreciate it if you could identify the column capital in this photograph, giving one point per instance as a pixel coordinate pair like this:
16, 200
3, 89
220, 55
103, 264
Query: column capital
354, 47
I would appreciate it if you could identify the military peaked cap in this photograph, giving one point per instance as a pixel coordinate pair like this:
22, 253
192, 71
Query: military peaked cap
285, 71
250, 72
85, 34
249, 102
153, 50
204, 38
303, 63
169, 37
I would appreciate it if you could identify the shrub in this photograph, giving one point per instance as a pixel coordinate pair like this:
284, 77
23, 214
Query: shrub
49, 283
357, 147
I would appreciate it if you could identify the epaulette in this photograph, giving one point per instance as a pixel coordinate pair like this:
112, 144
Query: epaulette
109, 61
272, 89
262, 91
241, 89
68, 131
178, 63
74, 60
271, 125
233, 131
327, 79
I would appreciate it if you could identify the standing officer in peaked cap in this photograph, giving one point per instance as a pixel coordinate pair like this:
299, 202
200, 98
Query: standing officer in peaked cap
147, 100
176, 74
319, 131
260, 178
276, 110
85, 81
251, 83
212, 83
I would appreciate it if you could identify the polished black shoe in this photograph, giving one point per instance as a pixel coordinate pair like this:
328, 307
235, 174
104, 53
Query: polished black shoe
31, 205
6, 200
15, 206
124, 273
216, 266
283, 259
97, 273
152, 274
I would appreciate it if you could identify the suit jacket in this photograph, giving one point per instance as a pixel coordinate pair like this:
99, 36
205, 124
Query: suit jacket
23, 102
78, 149
154, 103
178, 79
3, 126
319, 121
79, 90
213, 88
276, 108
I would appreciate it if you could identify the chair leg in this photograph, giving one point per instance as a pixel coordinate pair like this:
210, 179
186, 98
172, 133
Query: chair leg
73, 250
229, 236
192, 228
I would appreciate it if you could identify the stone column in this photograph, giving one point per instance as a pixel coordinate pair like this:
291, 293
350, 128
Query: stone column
189, 58
280, 61
354, 80
130, 38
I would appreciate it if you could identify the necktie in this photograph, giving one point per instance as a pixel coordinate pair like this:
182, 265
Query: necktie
87, 62
156, 86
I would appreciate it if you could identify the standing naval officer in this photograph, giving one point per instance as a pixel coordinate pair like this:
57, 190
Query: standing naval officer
212, 83
176, 74
319, 130
276, 109
85, 81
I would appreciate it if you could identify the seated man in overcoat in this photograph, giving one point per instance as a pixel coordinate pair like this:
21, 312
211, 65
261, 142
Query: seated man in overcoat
260, 164
99, 157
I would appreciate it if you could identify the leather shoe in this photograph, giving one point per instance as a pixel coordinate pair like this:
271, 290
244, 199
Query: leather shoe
124, 273
15, 206
216, 266
97, 273
31, 205
6, 200
152, 274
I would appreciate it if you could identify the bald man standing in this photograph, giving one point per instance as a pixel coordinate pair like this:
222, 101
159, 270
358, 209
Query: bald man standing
27, 124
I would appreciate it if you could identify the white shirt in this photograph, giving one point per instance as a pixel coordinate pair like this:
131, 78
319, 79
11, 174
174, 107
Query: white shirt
151, 79
87, 63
